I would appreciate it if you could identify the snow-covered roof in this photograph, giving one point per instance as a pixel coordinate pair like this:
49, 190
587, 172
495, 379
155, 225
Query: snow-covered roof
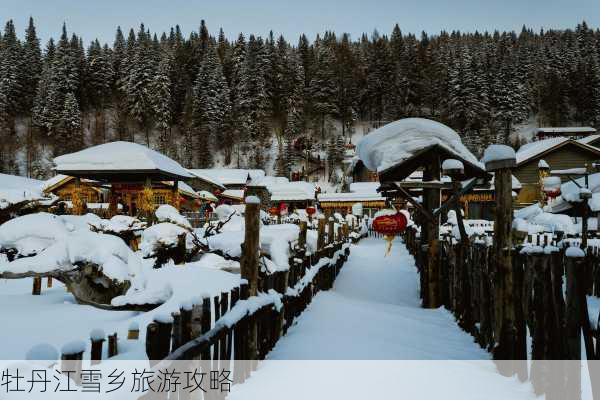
567, 129
233, 194
534, 149
401, 140
15, 189
269, 181
200, 174
364, 187
589, 139
119, 157
339, 197
204, 195
293, 191
232, 176
184, 188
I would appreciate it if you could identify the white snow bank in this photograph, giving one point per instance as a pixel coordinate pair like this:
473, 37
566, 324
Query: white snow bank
118, 223
574, 252
16, 189
400, 140
122, 156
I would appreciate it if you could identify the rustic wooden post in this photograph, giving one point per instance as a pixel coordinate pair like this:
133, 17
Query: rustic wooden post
321, 232
133, 332
175, 195
500, 159
113, 348
251, 245
176, 341
330, 231
37, 286
49, 282
431, 201
97, 338
186, 322
302, 235
573, 326
72, 360
165, 327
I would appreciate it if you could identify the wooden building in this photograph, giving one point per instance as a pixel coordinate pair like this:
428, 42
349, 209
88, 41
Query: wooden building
559, 154
343, 202
571, 132
136, 177
202, 181
229, 178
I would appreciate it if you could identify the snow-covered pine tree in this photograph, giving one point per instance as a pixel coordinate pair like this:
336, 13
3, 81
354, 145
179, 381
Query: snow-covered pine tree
161, 97
322, 87
98, 88
138, 82
69, 131
253, 100
211, 107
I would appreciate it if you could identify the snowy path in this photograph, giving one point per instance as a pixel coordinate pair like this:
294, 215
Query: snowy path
373, 321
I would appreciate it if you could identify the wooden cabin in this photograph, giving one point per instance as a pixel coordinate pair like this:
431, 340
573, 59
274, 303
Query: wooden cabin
571, 132
558, 153
230, 178
137, 178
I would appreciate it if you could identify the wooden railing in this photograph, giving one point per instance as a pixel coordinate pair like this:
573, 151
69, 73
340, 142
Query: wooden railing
555, 319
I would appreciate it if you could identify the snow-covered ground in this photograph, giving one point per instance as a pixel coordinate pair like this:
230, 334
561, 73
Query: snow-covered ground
372, 321
56, 318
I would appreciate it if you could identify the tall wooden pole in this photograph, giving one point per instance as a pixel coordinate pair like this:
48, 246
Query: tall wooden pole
505, 332
431, 201
250, 247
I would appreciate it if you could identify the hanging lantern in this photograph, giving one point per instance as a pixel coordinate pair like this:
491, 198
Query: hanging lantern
311, 211
274, 211
283, 209
389, 225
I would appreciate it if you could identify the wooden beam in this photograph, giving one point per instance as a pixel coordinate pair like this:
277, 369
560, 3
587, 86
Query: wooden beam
455, 196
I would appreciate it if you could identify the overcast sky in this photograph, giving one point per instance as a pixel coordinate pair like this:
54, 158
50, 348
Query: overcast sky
99, 18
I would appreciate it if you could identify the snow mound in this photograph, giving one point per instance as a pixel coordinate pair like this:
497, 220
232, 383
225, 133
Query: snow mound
42, 352
97, 334
119, 223
574, 252
168, 213
74, 347
163, 234
400, 140
31, 234
16, 189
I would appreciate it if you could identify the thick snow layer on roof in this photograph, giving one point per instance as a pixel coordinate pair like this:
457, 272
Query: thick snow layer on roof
400, 140
530, 150
15, 189
208, 196
293, 191
269, 181
543, 164
202, 174
233, 193
232, 176
119, 156
497, 152
566, 129
588, 139
331, 197
364, 187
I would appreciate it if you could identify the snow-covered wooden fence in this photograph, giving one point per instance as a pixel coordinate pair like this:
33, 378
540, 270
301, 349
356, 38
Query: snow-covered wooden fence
555, 319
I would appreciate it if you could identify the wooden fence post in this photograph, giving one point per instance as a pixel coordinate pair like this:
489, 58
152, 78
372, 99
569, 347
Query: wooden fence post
113, 348
250, 247
431, 201
573, 326
37, 286
321, 232
97, 338
302, 235
504, 307
330, 231
72, 360
133, 332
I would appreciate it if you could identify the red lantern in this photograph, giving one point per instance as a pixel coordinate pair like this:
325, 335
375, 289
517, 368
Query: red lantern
390, 224
283, 209
311, 211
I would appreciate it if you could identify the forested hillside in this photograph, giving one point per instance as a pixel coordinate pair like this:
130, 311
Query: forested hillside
204, 99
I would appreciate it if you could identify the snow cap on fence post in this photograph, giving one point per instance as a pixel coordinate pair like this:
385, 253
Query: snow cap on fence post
499, 156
